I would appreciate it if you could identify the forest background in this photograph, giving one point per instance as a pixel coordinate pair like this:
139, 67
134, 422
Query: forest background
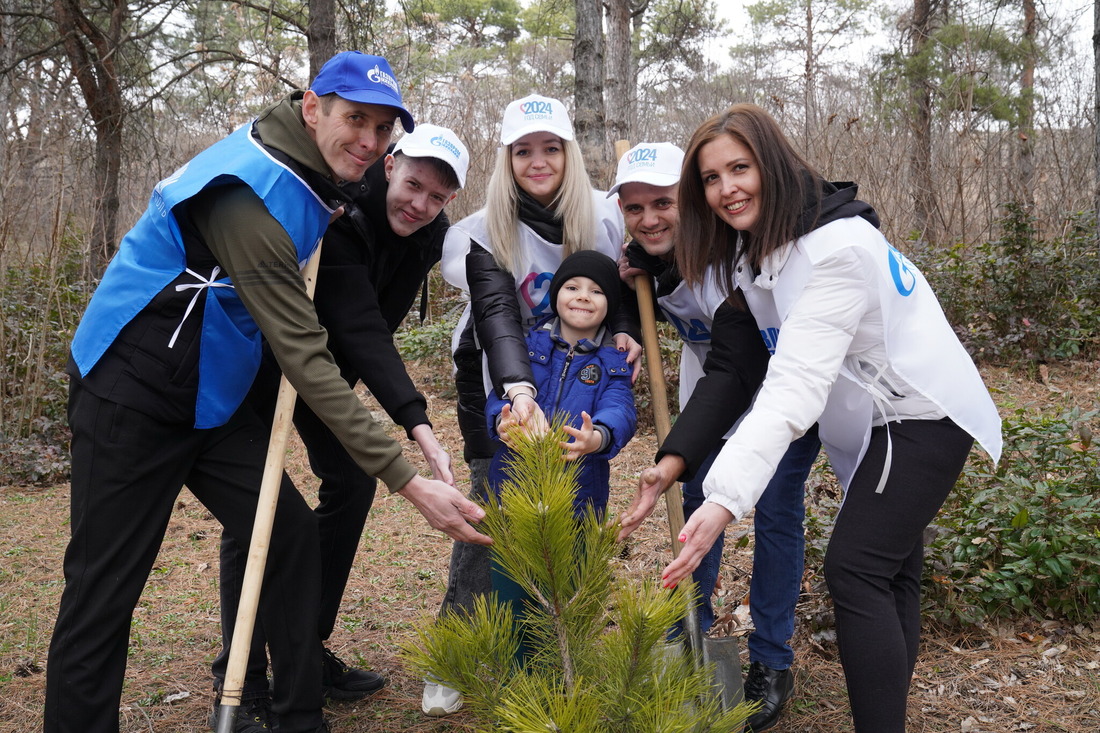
970, 126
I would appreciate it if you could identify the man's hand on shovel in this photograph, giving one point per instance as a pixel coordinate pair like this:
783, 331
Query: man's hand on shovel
446, 509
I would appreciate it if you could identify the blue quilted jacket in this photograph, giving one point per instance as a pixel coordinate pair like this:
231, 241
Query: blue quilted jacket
588, 377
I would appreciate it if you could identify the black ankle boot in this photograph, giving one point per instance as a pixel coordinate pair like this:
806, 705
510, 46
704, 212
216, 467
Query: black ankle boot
772, 688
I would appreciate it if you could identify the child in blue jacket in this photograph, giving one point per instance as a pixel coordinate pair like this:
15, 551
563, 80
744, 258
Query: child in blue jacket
576, 376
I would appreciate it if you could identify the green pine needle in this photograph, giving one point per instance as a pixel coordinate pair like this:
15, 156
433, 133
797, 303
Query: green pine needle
598, 659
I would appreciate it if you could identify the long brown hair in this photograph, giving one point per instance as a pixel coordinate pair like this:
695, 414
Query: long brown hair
786, 180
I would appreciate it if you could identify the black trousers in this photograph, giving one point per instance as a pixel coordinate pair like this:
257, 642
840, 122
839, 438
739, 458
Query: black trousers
344, 499
127, 470
875, 558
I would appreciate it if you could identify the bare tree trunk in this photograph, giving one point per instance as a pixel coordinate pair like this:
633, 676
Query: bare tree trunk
1025, 161
92, 52
809, 81
588, 93
321, 34
920, 124
1096, 110
620, 88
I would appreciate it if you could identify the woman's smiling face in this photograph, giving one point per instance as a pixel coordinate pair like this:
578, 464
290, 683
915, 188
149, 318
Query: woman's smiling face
731, 181
538, 165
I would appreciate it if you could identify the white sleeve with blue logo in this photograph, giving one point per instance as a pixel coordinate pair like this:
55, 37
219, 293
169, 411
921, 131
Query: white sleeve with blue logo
816, 336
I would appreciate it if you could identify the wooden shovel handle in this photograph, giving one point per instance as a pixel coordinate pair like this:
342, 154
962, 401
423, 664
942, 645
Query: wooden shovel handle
265, 519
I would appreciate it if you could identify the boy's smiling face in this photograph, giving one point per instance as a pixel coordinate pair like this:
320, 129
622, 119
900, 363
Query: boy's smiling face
582, 308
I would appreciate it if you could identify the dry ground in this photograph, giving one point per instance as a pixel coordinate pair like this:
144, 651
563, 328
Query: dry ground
1020, 677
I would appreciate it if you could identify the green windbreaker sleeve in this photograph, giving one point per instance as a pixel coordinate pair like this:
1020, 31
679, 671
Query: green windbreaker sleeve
261, 261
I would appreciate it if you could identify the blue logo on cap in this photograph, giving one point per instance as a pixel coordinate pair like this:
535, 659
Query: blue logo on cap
441, 142
642, 158
533, 108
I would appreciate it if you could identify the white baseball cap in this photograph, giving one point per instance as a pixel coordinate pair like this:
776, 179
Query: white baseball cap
433, 141
657, 164
535, 113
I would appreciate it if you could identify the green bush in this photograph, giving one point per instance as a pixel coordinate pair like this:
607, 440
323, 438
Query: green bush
1021, 297
430, 340
1022, 538
40, 304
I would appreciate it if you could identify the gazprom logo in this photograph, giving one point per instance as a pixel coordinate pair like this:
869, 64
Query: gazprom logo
537, 109
441, 142
642, 158
902, 271
380, 77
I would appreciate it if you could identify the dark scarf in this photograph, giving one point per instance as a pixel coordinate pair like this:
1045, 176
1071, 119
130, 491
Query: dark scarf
827, 202
545, 222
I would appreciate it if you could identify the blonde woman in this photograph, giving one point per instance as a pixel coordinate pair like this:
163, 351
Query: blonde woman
540, 209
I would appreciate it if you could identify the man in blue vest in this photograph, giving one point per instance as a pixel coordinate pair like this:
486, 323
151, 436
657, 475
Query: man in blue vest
374, 263
160, 366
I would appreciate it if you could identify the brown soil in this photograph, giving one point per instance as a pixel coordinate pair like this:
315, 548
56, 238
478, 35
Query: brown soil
1012, 677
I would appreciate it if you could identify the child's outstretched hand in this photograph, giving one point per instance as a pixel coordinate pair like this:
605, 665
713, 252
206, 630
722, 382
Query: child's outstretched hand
512, 421
508, 423
586, 439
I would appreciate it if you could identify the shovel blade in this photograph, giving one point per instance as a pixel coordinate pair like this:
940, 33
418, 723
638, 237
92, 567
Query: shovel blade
725, 654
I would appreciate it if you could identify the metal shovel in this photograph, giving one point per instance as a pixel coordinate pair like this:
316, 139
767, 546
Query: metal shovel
723, 653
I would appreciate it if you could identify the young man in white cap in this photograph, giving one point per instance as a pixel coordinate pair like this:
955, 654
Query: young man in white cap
647, 183
373, 263
160, 366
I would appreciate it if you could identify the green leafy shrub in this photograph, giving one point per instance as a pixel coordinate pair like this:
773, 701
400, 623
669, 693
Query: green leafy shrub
430, 340
40, 305
1022, 538
1021, 297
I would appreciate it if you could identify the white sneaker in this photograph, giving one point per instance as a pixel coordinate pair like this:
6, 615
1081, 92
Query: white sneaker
440, 700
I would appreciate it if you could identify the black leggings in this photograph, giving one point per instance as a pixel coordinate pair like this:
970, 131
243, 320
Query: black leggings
874, 561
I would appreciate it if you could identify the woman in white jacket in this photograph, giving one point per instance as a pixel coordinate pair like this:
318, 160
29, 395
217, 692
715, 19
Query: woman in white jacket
860, 347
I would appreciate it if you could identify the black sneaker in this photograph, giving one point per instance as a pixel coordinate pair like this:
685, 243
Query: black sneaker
341, 682
772, 688
253, 716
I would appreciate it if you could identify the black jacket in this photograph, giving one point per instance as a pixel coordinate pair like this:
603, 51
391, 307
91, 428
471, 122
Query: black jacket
367, 282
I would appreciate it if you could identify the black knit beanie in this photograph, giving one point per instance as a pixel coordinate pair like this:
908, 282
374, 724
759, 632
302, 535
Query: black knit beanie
596, 266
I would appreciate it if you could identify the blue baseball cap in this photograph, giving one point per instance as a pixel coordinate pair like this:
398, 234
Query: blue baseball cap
360, 77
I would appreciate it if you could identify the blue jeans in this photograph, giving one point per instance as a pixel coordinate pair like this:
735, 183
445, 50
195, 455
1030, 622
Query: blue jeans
778, 556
